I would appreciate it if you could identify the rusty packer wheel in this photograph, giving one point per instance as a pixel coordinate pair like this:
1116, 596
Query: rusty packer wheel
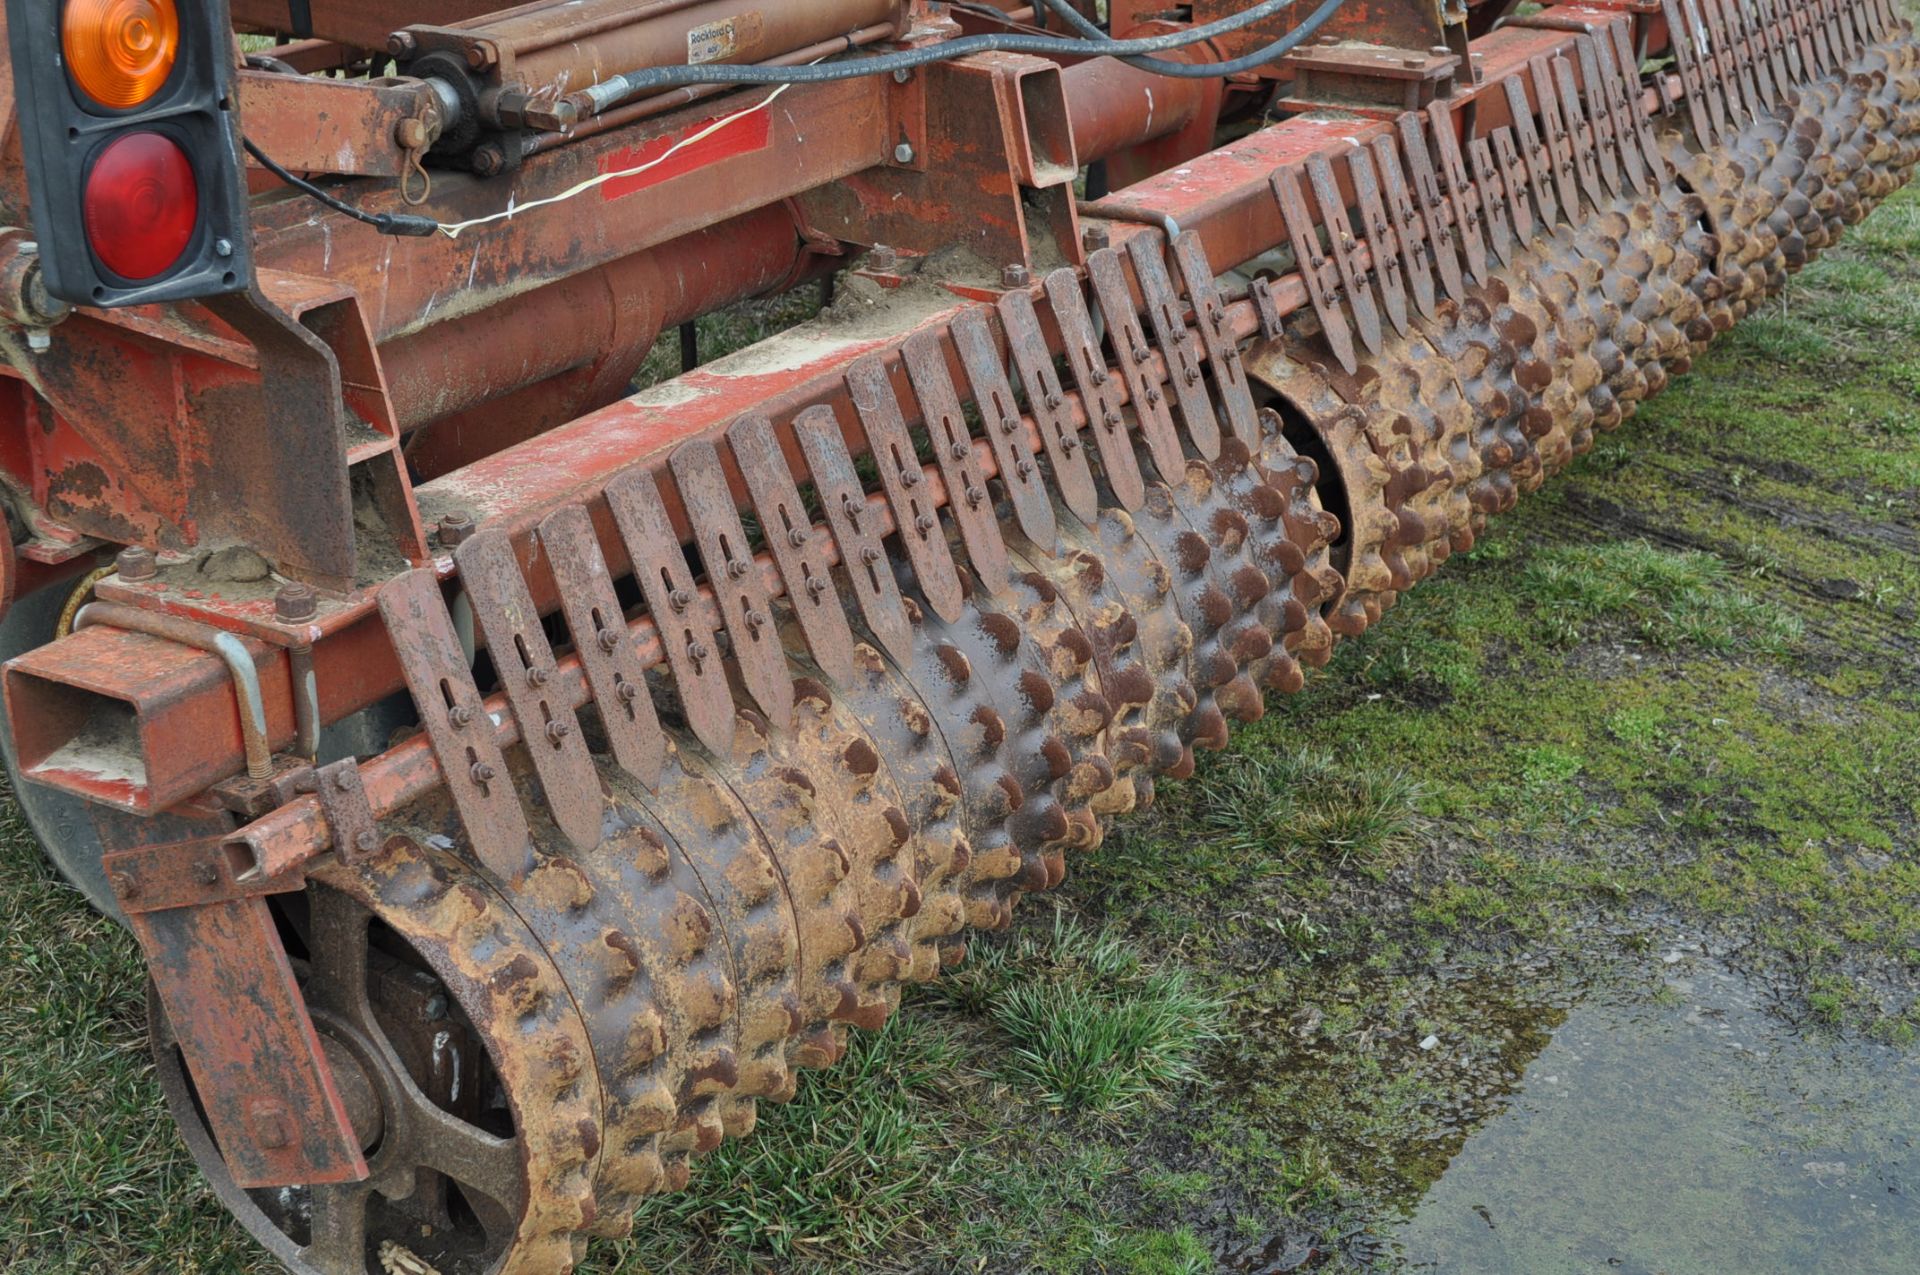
463, 1065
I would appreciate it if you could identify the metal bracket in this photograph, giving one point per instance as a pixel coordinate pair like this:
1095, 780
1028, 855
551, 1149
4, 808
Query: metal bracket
608, 655
343, 800
1000, 417
844, 498
459, 728
967, 499
746, 608
1178, 343
1316, 271
1346, 252
1411, 229
1099, 391
523, 660
686, 630
798, 549
1382, 241
1135, 357
1047, 401
915, 519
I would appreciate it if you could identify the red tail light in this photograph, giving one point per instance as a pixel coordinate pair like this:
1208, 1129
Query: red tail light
141, 205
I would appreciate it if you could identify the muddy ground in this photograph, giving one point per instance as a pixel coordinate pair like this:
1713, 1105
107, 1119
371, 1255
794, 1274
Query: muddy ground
1570, 921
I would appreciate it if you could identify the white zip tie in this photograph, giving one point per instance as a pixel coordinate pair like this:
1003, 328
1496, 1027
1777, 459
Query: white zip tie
453, 230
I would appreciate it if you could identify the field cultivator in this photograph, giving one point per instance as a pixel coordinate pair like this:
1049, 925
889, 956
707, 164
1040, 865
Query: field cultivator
513, 779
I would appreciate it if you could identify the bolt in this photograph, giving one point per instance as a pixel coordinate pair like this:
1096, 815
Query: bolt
481, 773
1016, 276
126, 885
206, 874
489, 160
883, 259
402, 44
975, 497
628, 692
903, 76
136, 563
679, 600
270, 1126
1024, 467
295, 603
698, 650
558, 731
797, 537
344, 781
29, 249
1095, 238
454, 529
479, 56
39, 340
436, 1007
959, 451
461, 716
869, 555
411, 134
756, 621
736, 567
365, 841
925, 523
816, 587
1055, 399
223, 247
537, 676
610, 640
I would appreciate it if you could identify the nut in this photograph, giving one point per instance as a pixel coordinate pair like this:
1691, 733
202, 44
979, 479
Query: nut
1096, 237
454, 530
136, 563
1016, 276
402, 44
295, 603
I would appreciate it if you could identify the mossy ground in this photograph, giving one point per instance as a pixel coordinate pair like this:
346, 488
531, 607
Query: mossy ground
1678, 689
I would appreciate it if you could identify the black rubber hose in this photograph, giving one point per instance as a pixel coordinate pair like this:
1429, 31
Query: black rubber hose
1201, 70
619, 88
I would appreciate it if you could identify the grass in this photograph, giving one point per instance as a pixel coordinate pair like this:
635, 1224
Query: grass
1674, 691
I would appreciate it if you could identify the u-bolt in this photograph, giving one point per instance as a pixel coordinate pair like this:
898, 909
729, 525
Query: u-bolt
246, 678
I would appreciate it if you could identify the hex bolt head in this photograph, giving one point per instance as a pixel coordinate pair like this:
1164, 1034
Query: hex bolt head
136, 563
538, 676
610, 640
489, 161
903, 153
295, 603
1016, 276
126, 885
883, 258
461, 716
481, 773
366, 841
453, 530
558, 731
1096, 237
402, 44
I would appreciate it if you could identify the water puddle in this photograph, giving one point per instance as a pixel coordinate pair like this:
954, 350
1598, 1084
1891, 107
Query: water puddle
1683, 1133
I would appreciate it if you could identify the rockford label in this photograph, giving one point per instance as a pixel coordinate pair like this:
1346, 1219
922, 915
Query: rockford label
713, 42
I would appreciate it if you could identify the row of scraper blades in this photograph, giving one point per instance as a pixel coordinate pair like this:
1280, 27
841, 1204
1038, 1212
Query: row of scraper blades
858, 699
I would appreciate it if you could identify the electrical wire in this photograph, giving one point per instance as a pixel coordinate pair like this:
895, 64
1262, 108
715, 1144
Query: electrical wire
1202, 70
405, 224
611, 92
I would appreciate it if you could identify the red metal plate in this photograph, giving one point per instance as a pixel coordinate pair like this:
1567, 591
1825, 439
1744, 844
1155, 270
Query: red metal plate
800, 550
1459, 189
1559, 143
1099, 388
608, 654
1000, 416
1382, 242
1178, 344
685, 619
1344, 247
746, 608
856, 529
967, 498
1626, 64
1411, 229
1316, 271
1426, 194
1533, 152
1216, 336
459, 729
523, 659
343, 799
1493, 199
1513, 181
1135, 357
237, 1013
916, 519
1047, 402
